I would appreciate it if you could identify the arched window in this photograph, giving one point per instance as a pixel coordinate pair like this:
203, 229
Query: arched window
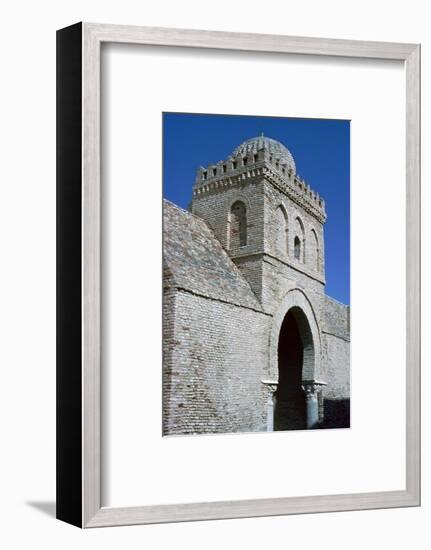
316, 251
238, 225
281, 231
299, 241
297, 248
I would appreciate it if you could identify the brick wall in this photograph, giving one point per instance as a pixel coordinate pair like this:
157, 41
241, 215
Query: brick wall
215, 208
336, 363
274, 200
216, 356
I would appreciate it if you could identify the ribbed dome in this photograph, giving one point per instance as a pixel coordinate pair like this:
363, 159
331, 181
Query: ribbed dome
275, 148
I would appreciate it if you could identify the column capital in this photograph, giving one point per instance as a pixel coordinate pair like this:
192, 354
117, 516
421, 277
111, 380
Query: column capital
272, 385
312, 387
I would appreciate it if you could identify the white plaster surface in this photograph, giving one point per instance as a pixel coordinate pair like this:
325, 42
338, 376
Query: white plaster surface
133, 445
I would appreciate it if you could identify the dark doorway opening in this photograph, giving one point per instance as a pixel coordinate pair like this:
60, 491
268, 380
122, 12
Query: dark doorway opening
290, 411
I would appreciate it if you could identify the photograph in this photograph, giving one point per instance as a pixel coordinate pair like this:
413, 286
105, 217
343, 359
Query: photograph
214, 240
256, 273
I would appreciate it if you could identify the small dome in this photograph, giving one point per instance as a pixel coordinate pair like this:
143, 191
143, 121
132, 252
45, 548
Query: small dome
275, 148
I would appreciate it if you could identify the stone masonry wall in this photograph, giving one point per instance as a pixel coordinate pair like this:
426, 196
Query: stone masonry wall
337, 318
215, 358
276, 200
336, 363
215, 209
336, 349
251, 269
279, 278
336, 367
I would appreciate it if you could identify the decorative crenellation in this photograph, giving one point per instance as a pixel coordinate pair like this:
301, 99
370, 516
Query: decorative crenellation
236, 170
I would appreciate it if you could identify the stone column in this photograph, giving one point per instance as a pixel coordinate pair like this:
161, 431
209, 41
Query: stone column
311, 389
271, 385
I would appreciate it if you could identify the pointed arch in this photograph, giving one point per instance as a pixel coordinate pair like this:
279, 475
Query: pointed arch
281, 231
299, 240
316, 261
297, 299
237, 222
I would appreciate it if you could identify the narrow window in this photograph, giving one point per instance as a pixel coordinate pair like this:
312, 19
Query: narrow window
281, 231
244, 161
299, 241
214, 171
205, 175
238, 225
224, 168
316, 252
297, 245
256, 158
234, 165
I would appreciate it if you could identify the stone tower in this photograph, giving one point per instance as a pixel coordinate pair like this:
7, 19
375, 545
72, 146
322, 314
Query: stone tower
270, 222
267, 218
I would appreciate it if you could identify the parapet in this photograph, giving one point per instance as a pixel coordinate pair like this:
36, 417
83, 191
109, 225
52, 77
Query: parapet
257, 164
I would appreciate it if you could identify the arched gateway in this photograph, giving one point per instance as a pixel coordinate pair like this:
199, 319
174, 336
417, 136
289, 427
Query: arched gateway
294, 366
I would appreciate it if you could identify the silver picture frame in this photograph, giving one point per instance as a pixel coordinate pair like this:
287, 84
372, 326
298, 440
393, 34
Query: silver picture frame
79, 274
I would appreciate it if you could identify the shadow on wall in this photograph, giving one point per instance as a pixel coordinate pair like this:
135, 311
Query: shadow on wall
336, 413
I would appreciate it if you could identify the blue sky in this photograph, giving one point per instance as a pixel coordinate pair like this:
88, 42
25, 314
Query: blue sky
321, 149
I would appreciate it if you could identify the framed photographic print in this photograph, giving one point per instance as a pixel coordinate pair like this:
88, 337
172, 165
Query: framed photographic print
238, 275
